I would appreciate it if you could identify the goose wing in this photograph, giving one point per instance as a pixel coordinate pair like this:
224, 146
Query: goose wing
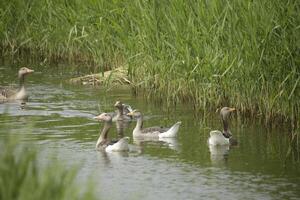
7, 91
154, 129
121, 145
127, 108
217, 138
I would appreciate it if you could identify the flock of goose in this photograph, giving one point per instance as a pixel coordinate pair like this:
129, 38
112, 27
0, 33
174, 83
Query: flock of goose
126, 113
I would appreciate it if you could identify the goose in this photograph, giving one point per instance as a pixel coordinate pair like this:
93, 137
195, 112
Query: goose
223, 138
103, 142
152, 132
122, 111
127, 108
20, 94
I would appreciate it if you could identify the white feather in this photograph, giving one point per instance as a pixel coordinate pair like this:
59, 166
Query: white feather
217, 138
121, 145
172, 132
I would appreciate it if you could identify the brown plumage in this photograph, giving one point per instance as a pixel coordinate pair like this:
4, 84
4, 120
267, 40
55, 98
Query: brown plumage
122, 112
20, 94
155, 131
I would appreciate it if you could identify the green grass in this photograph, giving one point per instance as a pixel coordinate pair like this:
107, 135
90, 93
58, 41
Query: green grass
208, 53
21, 177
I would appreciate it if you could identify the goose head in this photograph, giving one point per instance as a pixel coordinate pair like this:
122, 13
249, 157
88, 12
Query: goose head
126, 108
135, 113
104, 117
24, 71
225, 112
118, 105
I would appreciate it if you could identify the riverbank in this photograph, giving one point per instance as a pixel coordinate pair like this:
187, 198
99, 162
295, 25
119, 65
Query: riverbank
210, 54
111, 78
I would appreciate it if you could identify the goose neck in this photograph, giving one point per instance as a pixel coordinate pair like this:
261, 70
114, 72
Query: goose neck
139, 123
21, 82
225, 125
104, 132
120, 112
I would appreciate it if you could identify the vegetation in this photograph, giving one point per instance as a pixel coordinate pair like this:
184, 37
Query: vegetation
22, 178
209, 53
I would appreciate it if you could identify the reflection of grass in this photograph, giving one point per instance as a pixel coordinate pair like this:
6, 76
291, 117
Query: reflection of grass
21, 177
294, 147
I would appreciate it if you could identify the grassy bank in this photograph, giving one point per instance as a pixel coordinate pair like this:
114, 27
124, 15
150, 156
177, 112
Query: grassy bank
210, 53
21, 177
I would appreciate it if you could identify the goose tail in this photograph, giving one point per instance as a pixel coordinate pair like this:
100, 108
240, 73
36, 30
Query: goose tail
172, 132
121, 145
217, 138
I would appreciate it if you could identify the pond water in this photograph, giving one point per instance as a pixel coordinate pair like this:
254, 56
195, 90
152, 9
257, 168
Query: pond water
58, 120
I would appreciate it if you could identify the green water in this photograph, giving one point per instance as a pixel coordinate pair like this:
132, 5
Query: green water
58, 120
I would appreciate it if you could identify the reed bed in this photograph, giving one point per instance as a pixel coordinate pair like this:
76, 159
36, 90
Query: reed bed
208, 53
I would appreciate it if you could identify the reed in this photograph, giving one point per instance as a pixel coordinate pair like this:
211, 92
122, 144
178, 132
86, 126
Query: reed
21, 177
210, 53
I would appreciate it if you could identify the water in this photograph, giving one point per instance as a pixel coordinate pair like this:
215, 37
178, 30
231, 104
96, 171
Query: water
58, 121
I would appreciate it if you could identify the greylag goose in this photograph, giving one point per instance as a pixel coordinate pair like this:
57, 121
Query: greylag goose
223, 138
122, 111
20, 94
152, 132
103, 141
126, 108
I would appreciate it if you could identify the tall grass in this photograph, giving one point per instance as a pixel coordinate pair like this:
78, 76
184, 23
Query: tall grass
22, 178
209, 53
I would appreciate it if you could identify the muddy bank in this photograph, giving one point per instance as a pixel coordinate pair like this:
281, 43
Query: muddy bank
117, 76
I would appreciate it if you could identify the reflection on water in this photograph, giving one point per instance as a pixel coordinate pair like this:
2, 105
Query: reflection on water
121, 126
219, 154
58, 120
172, 143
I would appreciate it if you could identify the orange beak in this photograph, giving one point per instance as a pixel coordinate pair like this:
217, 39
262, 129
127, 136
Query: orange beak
232, 109
99, 117
29, 71
130, 114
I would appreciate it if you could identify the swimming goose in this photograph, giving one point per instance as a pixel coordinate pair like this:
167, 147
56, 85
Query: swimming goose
21, 93
223, 138
122, 111
126, 108
152, 132
103, 142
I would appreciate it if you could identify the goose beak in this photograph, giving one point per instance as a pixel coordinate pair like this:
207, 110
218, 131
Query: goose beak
104, 117
130, 114
99, 117
232, 109
29, 71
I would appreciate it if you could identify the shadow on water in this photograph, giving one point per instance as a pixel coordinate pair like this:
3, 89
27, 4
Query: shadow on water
61, 116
